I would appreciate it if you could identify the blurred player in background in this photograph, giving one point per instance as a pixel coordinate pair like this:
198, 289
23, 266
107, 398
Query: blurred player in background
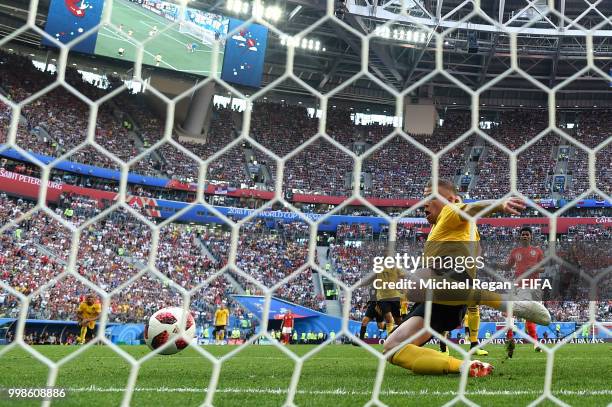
87, 314
287, 327
221, 320
388, 299
471, 324
373, 313
404, 309
191, 47
510, 344
523, 259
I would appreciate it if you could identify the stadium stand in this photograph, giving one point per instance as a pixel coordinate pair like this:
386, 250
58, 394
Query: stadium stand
318, 169
267, 252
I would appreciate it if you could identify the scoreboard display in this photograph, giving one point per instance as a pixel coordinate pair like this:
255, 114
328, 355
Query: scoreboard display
180, 39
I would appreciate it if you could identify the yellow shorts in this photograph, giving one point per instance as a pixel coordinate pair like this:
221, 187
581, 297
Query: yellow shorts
91, 325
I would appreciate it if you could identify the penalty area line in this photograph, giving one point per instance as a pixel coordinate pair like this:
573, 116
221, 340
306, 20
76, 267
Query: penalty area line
340, 391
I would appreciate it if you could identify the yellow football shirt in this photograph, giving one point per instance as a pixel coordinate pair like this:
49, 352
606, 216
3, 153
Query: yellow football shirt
388, 275
451, 227
90, 311
403, 307
453, 236
221, 317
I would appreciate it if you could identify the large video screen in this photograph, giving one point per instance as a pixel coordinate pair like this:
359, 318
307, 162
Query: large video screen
185, 47
245, 50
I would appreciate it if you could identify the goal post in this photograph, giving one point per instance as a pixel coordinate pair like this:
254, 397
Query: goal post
203, 35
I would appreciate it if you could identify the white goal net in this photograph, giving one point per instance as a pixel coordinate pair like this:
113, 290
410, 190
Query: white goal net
200, 33
142, 252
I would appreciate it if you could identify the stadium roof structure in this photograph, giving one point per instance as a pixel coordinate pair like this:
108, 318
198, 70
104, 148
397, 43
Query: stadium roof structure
551, 46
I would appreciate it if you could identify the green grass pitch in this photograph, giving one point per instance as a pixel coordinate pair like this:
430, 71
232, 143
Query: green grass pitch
338, 375
170, 44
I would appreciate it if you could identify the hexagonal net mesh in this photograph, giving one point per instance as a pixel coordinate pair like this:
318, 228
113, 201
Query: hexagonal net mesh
124, 246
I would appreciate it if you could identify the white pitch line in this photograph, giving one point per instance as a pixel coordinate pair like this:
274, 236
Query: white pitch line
152, 17
145, 51
165, 33
340, 391
174, 39
113, 35
135, 8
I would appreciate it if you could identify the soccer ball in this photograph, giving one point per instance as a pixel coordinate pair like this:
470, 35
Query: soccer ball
164, 326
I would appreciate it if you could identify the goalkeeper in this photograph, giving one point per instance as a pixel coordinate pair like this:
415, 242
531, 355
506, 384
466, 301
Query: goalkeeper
87, 315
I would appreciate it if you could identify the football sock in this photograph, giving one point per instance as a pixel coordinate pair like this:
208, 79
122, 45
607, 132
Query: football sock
531, 330
425, 361
362, 332
442, 343
83, 333
473, 321
389, 327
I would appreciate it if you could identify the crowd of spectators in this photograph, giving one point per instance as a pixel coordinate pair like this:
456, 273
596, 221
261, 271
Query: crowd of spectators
47, 338
175, 164
354, 231
397, 169
593, 130
318, 169
116, 248
111, 252
53, 131
269, 256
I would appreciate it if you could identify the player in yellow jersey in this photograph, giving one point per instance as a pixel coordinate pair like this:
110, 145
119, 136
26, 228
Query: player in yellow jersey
452, 236
389, 298
87, 315
221, 320
404, 308
373, 313
471, 324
